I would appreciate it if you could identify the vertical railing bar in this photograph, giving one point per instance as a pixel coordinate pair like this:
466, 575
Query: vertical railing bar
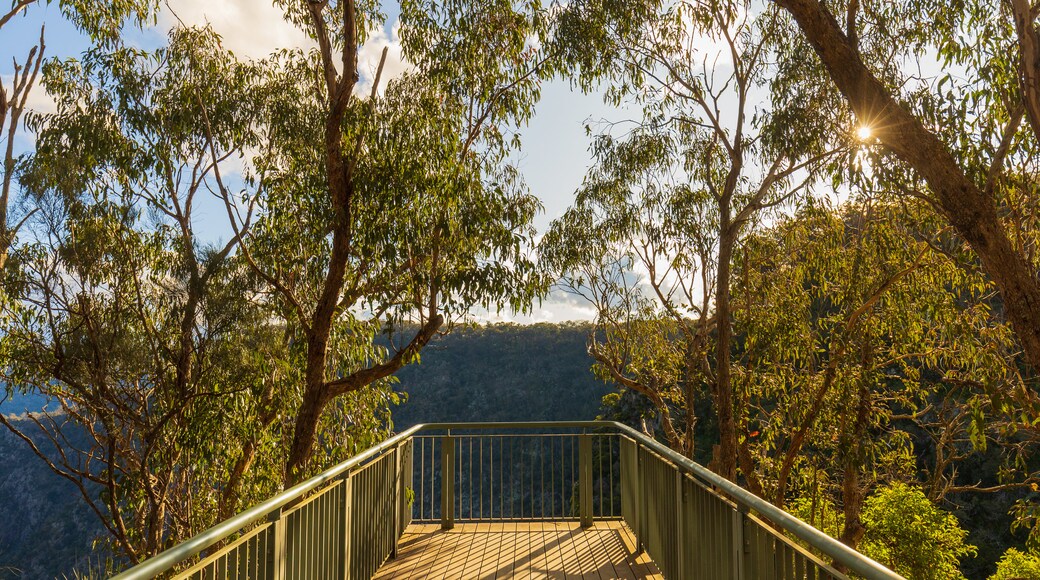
469, 476
501, 479
313, 511
301, 535
585, 480
541, 463
563, 476
679, 505
324, 534
610, 474
552, 478
512, 480
599, 478
491, 479
433, 467
574, 471
316, 562
328, 535
534, 468
395, 507
447, 481
739, 570
422, 477
480, 503
523, 480
458, 480
345, 509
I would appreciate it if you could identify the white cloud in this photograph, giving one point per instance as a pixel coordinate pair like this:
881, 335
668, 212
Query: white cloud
558, 306
249, 28
371, 52
255, 29
38, 102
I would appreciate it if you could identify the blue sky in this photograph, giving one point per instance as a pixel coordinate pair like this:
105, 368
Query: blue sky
554, 159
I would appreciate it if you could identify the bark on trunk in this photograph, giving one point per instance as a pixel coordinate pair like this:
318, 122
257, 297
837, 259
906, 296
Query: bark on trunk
341, 193
853, 491
971, 212
726, 452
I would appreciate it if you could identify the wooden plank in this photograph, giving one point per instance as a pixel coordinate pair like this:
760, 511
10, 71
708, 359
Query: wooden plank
507, 547
598, 539
494, 545
519, 550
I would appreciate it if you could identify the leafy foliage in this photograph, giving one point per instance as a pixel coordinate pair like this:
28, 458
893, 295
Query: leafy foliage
911, 535
1017, 564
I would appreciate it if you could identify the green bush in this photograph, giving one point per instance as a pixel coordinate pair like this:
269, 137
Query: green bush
1015, 565
913, 536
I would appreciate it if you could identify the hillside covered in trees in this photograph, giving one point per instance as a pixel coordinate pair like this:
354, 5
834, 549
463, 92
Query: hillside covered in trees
808, 243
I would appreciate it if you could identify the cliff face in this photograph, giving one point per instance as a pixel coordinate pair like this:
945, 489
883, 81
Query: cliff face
46, 530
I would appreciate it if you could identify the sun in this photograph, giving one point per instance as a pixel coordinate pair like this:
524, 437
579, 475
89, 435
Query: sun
864, 133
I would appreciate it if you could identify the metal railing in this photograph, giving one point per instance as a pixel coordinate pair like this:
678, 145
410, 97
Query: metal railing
497, 474
345, 522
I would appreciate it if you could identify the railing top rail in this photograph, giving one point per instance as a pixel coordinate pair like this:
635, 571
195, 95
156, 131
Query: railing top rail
516, 425
744, 499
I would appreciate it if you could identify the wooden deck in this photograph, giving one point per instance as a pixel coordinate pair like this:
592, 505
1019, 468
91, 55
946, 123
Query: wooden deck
519, 550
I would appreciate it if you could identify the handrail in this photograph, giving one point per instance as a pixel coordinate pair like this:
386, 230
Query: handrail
177, 554
855, 561
839, 552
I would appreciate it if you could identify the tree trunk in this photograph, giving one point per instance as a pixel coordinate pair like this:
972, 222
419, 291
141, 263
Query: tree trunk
725, 456
967, 207
853, 491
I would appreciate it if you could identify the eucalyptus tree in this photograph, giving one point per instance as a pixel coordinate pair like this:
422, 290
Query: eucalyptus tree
861, 326
147, 336
672, 198
392, 202
102, 22
951, 94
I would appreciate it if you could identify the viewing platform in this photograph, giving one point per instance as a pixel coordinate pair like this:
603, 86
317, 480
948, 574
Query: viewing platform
587, 499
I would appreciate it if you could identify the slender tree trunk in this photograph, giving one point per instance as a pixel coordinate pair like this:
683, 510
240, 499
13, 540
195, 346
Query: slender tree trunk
341, 192
853, 491
725, 456
690, 446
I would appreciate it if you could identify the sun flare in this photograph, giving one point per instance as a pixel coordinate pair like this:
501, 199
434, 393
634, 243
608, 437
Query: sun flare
864, 132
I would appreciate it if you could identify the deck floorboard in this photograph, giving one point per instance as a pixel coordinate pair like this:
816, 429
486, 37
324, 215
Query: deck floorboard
490, 551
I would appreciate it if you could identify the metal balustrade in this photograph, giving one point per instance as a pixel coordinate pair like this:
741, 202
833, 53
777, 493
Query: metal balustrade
503, 476
345, 522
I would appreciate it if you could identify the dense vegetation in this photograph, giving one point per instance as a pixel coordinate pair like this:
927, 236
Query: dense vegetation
812, 254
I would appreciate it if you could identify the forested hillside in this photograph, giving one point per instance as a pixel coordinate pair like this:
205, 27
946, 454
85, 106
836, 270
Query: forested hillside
502, 373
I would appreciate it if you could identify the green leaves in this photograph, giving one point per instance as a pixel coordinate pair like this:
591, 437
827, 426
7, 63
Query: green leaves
908, 533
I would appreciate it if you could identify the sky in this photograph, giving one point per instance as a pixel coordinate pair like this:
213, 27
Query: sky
555, 154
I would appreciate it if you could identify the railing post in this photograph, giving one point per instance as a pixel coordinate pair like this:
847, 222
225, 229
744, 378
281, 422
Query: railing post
275, 561
641, 530
345, 505
396, 510
447, 482
739, 549
680, 540
585, 479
